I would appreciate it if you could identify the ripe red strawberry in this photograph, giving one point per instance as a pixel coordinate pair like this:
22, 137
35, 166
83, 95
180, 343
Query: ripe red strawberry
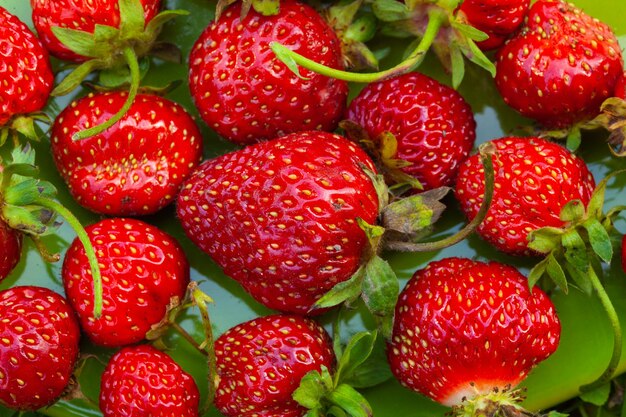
497, 18
464, 328
560, 67
620, 87
79, 15
280, 216
260, 364
433, 125
39, 337
246, 94
11, 244
142, 269
143, 381
135, 167
534, 180
26, 75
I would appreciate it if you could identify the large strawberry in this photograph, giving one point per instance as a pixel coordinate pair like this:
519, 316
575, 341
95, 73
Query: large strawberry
433, 127
144, 270
26, 77
282, 365
39, 337
535, 179
108, 35
143, 381
497, 18
560, 67
135, 167
280, 217
465, 332
246, 94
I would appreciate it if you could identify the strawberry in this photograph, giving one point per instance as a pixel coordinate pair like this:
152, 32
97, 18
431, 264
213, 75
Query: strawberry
280, 216
260, 364
560, 67
39, 337
143, 270
433, 126
466, 330
11, 244
26, 77
535, 179
497, 18
620, 87
143, 381
246, 94
137, 166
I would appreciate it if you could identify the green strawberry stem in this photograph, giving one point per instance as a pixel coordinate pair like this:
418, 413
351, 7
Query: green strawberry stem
43, 251
201, 300
89, 251
185, 335
292, 59
617, 334
135, 76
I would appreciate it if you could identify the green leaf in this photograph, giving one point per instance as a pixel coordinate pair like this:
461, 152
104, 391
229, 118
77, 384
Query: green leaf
154, 26
310, 391
344, 291
77, 41
479, 58
458, 66
362, 29
545, 240
74, 79
120, 76
537, 272
469, 31
355, 353
373, 371
105, 34
573, 211
599, 239
580, 278
575, 250
598, 396
30, 220
380, 292
284, 55
573, 140
266, 7
415, 213
132, 19
351, 401
555, 272
390, 10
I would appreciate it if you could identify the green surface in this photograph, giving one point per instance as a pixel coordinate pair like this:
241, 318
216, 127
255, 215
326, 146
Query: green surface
586, 338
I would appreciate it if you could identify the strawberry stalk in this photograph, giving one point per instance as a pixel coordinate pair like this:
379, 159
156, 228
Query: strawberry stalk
84, 239
133, 65
293, 59
202, 300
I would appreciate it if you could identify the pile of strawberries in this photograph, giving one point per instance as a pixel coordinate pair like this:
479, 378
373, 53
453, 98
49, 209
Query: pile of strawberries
302, 214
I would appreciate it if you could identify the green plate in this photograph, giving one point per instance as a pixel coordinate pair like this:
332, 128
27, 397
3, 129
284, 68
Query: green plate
586, 338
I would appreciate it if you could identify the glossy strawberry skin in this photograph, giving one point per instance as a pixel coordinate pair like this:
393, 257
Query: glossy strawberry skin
11, 244
39, 337
246, 94
460, 322
137, 166
143, 381
142, 269
280, 216
269, 355
25, 72
433, 125
534, 180
559, 73
497, 18
80, 15
620, 87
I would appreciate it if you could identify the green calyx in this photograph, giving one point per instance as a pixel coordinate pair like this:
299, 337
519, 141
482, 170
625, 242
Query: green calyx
612, 117
27, 204
113, 49
575, 253
434, 23
495, 403
24, 125
359, 365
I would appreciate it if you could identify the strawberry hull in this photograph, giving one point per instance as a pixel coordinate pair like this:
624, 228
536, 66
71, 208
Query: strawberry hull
280, 217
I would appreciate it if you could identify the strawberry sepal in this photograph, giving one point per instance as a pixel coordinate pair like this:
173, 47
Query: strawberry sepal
501, 403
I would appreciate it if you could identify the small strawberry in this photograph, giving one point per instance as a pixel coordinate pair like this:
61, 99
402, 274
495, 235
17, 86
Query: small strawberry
534, 181
143, 381
497, 18
135, 167
560, 67
39, 337
107, 35
620, 87
11, 244
143, 270
26, 77
280, 216
465, 332
282, 365
433, 126
246, 94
